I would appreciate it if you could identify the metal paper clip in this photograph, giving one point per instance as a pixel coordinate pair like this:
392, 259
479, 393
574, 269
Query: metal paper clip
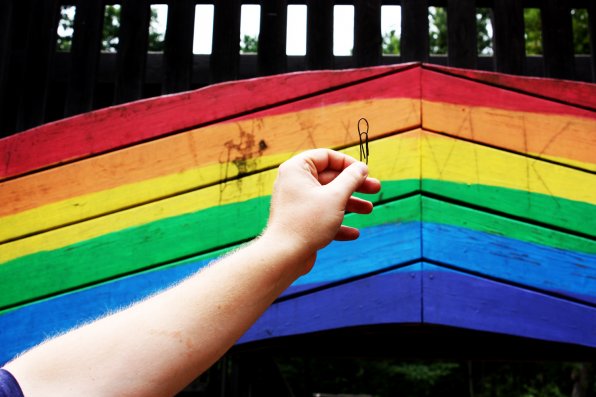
363, 135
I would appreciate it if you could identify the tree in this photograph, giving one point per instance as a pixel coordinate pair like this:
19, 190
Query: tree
437, 30
249, 44
111, 29
533, 31
390, 43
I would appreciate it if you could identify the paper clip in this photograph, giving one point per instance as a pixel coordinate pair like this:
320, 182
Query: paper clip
363, 142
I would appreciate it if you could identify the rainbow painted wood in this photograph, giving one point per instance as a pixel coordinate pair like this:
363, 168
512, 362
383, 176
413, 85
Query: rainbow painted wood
486, 220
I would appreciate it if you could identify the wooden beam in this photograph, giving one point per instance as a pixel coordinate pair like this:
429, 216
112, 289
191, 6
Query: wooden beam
272, 57
225, 53
509, 41
132, 50
557, 39
177, 55
367, 32
461, 30
414, 31
86, 45
319, 34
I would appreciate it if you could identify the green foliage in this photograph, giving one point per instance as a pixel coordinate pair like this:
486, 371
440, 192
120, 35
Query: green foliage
111, 30
66, 25
249, 44
390, 43
484, 39
533, 31
437, 30
581, 34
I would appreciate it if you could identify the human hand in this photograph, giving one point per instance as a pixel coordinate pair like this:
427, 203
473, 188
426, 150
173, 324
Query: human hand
311, 195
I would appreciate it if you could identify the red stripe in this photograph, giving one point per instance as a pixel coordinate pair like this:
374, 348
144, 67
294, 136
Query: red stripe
108, 129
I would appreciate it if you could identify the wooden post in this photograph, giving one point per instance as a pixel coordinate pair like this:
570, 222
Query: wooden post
414, 31
177, 56
272, 37
510, 51
592, 26
319, 34
41, 44
557, 39
367, 32
6, 50
86, 47
461, 31
132, 50
225, 55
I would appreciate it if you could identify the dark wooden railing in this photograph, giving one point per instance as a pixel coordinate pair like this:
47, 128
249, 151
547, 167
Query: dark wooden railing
38, 84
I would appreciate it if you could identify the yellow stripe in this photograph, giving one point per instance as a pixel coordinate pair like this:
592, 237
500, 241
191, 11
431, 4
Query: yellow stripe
450, 159
395, 157
286, 134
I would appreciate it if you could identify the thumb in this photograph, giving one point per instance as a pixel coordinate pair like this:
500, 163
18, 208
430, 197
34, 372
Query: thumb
349, 179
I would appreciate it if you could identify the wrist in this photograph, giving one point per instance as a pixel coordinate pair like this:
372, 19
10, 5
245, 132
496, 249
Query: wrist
296, 255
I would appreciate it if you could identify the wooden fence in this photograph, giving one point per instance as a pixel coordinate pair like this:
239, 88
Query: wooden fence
38, 84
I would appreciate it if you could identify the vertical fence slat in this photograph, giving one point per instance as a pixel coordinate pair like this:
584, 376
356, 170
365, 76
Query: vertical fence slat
225, 55
509, 41
272, 37
414, 31
557, 39
177, 55
7, 19
592, 26
461, 33
367, 32
132, 50
41, 44
86, 46
319, 34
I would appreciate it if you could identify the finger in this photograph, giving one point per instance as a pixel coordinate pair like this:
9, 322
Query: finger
359, 206
327, 159
347, 233
370, 185
349, 180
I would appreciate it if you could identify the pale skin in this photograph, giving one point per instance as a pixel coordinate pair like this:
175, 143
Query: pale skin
158, 346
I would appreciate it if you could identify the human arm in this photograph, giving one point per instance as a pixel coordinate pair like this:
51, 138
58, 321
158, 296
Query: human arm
158, 346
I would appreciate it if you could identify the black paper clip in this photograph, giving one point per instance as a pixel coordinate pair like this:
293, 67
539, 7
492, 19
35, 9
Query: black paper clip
363, 135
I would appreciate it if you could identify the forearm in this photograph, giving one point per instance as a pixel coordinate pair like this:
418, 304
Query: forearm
185, 329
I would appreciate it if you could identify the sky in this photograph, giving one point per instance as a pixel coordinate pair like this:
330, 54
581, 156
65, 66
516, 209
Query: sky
343, 33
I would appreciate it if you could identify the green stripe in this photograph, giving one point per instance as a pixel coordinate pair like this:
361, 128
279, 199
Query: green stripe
168, 240
137, 248
437, 211
568, 214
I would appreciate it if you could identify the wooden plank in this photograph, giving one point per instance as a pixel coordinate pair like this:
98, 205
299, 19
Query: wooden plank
132, 50
41, 43
272, 37
160, 243
32, 324
492, 246
461, 300
177, 54
126, 178
564, 91
108, 129
61, 214
461, 31
387, 298
557, 39
591, 7
508, 183
509, 120
508, 27
414, 45
7, 18
319, 34
367, 32
86, 46
225, 54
